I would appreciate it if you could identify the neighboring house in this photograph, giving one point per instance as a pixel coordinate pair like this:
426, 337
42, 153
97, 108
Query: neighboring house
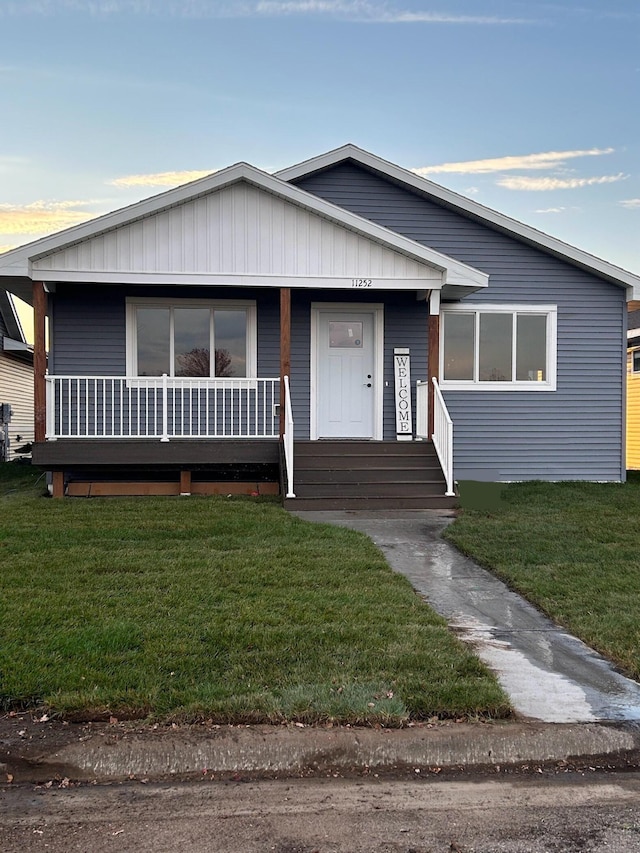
193, 330
16, 382
633, 390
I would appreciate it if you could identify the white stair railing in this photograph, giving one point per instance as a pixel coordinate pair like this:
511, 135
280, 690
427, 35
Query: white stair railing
443, 436
422, 410
288, 438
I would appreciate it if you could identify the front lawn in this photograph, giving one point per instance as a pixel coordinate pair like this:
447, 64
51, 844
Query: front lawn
215, 608
573, 549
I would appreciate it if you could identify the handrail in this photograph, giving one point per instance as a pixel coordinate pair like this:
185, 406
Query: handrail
288, 438
422, 410
443, 436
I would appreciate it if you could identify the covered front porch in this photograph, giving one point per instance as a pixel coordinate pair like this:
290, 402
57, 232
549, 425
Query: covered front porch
146, 352
208, 436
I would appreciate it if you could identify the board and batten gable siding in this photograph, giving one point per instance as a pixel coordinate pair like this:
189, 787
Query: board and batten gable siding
16, 388
238, 230
575, 432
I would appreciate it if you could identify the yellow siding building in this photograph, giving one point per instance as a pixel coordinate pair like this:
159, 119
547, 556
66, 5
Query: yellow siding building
633, 390
633, 408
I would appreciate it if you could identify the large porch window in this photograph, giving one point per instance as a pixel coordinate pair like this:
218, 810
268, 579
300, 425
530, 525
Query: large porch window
191, 338
499, 347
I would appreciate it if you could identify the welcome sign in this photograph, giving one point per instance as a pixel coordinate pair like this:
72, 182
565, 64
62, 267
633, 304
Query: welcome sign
402, 373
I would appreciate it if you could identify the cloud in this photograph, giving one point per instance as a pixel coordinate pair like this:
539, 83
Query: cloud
42, 217
551, 210
631, 203
7, 247
374, 11
160, 179
544, 160
379, 12
8, 163
522, 182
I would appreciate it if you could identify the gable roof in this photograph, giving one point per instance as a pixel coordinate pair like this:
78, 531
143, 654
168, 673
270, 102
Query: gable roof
20, 266
10, 319
467, 207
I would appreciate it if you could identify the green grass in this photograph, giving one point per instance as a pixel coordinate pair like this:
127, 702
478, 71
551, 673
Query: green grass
573, 549
215, 608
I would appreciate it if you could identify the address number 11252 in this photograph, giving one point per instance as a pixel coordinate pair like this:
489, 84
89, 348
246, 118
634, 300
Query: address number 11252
361, 282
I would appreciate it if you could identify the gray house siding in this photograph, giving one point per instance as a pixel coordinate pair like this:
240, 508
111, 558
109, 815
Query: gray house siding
89, 327
405, 324
575, 432
89, 336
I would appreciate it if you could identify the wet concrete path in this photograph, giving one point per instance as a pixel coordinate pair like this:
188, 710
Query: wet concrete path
548, 674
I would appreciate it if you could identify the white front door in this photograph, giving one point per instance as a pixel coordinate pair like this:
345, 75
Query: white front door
346, 388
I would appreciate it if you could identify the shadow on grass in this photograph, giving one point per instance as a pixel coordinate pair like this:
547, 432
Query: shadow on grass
484, 497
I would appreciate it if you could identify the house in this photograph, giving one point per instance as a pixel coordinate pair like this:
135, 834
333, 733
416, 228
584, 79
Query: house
16, 382
633, 390
247, 329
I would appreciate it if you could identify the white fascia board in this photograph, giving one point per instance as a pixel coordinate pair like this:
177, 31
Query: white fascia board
530, 235
240, 280
10, 317
10, 345
18, 261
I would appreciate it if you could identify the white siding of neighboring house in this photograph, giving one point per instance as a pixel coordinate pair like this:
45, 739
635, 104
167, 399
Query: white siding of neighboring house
16, 388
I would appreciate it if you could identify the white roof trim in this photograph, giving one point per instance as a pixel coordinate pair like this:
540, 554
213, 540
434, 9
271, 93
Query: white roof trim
583, 259
17, 262
10, 317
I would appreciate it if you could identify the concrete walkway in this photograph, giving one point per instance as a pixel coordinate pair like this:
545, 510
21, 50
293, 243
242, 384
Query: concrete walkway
549, 675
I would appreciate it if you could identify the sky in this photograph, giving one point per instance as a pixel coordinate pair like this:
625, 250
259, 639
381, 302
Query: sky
531, 108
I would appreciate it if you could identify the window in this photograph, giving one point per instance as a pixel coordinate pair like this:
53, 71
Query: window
499, 347
178, 338
635, 361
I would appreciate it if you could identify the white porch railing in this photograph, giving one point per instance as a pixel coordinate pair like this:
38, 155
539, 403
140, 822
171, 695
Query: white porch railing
288, 438
163, 408
422, 410
443, 436
442, 427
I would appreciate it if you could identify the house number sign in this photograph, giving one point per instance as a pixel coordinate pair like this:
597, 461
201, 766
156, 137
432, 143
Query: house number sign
402, 373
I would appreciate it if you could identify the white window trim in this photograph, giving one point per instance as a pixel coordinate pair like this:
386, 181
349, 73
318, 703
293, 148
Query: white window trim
132, 303
551, 312
633, 370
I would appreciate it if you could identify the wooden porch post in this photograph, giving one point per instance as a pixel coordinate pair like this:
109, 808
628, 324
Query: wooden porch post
433, 354
285, 348
39, 361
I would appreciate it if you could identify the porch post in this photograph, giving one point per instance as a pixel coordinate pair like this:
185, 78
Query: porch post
433, 354
39, 361
285, 349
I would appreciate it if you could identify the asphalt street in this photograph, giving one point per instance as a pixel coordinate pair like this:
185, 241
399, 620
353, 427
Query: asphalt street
552, 812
